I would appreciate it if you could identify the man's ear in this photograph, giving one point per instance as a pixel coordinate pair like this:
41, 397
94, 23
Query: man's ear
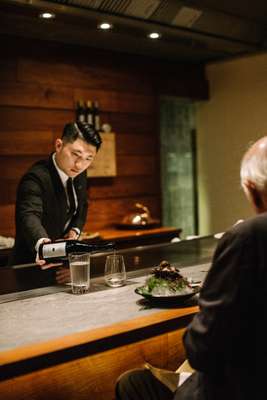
58, 144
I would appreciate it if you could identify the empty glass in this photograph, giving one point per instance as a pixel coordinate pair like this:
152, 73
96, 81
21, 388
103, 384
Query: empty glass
115, 274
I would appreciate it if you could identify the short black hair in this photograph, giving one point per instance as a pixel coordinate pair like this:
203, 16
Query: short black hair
81, 130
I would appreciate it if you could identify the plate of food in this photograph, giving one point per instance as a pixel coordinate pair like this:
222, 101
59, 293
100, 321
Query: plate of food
167, 285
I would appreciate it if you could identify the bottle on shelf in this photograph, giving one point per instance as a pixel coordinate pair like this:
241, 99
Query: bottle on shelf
96, 116
56, 251
80, 111
89, 113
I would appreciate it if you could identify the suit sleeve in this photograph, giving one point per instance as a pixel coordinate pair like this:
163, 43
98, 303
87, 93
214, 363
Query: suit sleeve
214, 332
29, 210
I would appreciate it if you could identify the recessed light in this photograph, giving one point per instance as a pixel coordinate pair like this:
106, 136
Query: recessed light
105, 26
154, 35
47, 15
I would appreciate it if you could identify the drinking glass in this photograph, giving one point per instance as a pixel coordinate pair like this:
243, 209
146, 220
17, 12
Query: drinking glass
79, 272
115, 274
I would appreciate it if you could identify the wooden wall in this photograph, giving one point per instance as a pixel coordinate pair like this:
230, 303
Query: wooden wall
39, 85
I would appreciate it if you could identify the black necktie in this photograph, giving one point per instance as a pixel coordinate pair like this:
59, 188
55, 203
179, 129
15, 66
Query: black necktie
72, 206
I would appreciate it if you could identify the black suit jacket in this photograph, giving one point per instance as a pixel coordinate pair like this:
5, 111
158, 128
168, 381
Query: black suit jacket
227, 340
41, 209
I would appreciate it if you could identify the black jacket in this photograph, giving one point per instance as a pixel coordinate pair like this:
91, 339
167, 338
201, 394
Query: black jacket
41, 209
227, 340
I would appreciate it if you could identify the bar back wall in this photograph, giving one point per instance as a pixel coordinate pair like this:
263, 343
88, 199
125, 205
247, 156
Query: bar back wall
40, 83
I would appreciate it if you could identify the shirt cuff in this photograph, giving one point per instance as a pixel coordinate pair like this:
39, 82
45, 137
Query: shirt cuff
77, 230
39, 241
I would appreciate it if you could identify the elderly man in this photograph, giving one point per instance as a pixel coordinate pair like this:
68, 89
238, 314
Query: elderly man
226, 341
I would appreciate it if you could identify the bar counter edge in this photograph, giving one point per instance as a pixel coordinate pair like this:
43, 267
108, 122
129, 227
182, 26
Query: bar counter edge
89, 362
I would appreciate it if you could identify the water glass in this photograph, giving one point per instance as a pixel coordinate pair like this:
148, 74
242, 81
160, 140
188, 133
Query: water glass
115, 274
79, 272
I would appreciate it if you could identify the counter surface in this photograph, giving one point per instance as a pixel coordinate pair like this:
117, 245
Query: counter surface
55, 312
59, 345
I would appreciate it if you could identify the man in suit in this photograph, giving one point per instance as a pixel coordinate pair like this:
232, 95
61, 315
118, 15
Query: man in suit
226, 341
52, 195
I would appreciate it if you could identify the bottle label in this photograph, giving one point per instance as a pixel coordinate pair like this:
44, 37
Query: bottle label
54, 250
97, 122
90, 119
81, 118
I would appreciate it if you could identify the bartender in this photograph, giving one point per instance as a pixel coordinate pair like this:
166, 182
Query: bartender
52, 198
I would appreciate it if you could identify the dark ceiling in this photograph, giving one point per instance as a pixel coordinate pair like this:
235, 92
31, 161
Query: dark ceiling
192, 31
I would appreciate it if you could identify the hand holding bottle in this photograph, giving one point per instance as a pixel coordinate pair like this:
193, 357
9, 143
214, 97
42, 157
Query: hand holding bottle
62, 274
72, 234
41, 262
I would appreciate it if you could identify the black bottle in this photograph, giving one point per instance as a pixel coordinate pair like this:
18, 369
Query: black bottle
60, 250
89, 113
80, 112
96, 116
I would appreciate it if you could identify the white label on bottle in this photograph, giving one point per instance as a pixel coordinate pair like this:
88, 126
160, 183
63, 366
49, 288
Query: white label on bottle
54, 250
97, 122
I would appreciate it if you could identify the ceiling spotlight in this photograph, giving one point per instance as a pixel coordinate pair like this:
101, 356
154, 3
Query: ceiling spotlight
154, 35
47, 15
105, 26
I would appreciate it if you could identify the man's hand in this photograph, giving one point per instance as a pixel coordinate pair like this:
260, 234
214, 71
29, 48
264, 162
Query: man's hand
72, 234
63, 275
42, 263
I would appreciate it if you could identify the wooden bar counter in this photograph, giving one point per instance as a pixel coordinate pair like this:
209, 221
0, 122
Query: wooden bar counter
57, 345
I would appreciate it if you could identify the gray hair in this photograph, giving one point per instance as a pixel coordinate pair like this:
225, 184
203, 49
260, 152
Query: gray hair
254, 165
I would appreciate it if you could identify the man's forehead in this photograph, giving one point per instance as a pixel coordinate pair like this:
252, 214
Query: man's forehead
82, 147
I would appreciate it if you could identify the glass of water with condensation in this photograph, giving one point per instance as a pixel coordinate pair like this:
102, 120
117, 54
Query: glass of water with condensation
79, 272
115, 273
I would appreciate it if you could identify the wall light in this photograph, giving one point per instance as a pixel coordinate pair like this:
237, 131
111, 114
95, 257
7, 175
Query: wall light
105, 26
154, 35
47, 15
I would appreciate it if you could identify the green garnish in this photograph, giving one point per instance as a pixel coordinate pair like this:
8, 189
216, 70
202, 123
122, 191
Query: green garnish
165, 277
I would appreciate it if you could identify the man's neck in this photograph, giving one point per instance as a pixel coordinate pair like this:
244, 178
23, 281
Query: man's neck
64, 177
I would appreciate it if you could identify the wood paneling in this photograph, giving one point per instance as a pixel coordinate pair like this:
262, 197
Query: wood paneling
88, 76
105, 213
14, 168
118, 101
22, 118
123, 186
8, 195
40, 84
131, 123
128, 165
25, 142
7, 219
36, 95
134, 144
